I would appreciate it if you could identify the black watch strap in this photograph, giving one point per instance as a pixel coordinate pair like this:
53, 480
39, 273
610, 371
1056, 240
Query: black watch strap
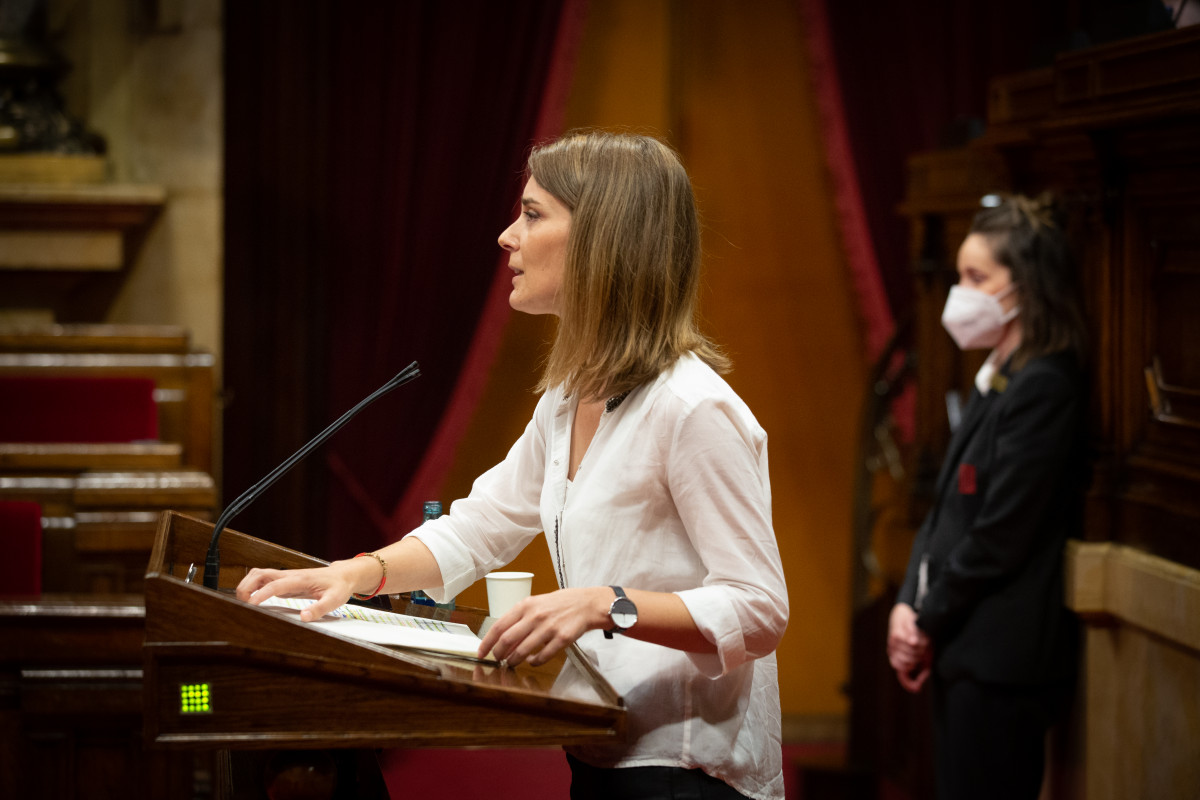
623, 600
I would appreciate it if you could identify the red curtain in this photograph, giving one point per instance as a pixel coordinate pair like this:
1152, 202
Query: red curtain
374, 153
849, 208
472, 375
901, 78
892, 80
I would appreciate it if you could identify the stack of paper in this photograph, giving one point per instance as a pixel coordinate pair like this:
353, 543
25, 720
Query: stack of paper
386, 627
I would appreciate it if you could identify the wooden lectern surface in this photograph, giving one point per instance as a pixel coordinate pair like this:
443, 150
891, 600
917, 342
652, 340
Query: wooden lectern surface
222, 673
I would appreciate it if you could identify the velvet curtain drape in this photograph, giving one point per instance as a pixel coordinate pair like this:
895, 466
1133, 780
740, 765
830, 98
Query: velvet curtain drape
904, 78
895, 79
374, 153
892, 80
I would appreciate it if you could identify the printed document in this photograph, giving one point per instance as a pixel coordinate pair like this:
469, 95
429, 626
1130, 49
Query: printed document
387, 627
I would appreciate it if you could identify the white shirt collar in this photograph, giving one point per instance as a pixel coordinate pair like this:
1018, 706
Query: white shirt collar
983, 378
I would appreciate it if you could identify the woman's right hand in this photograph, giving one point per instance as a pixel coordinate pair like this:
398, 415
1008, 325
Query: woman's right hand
330, 586
909, 649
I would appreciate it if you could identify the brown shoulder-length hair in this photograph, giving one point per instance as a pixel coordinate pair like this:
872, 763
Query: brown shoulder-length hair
1028, 236
632, 271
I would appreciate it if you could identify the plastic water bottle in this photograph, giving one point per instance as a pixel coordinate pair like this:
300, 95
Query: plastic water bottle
433, 510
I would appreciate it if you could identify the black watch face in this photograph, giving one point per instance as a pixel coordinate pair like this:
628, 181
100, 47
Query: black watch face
623, 613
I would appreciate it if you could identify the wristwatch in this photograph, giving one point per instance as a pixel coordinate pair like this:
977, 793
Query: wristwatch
622, 612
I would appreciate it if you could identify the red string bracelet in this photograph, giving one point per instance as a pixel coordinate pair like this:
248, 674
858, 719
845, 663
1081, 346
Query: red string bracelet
382, 580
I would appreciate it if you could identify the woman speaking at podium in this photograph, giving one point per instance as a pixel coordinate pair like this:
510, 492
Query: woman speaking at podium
646, 472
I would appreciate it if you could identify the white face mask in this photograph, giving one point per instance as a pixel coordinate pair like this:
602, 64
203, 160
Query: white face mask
975, 319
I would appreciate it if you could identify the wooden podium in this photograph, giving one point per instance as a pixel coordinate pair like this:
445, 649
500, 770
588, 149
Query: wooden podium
224, 675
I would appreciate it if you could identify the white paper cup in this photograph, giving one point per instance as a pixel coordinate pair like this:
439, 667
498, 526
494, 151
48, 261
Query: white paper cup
505, 590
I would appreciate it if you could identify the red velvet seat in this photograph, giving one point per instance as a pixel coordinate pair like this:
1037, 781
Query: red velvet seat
77, 409
21, 536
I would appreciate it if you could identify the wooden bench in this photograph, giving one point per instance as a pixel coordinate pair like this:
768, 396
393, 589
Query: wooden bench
183, 378
98, 526
100, 499
99, 506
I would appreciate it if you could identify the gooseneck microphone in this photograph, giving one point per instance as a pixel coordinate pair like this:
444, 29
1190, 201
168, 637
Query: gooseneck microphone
212, 563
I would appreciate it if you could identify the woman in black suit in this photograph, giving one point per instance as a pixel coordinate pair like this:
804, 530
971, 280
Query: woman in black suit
981, 614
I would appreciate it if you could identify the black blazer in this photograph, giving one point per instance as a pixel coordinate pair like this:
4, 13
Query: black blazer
1009, 494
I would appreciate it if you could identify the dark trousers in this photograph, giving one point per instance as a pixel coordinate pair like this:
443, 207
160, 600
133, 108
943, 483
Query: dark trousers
646, 783
989, 740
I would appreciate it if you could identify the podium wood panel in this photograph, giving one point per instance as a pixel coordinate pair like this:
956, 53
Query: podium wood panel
275, 682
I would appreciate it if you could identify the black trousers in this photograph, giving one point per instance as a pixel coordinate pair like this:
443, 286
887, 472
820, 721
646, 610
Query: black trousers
646, 783
989, 739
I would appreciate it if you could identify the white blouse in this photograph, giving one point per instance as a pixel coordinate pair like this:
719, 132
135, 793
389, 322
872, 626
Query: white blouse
673, 495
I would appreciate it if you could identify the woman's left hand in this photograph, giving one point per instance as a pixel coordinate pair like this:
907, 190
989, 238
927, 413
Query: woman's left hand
909, 648
538, 627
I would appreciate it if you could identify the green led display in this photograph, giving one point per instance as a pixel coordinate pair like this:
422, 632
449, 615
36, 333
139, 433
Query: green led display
195, 698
